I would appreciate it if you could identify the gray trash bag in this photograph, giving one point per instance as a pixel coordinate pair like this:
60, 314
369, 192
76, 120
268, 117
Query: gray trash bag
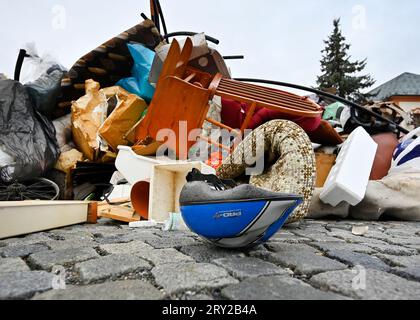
45, 90
25, 135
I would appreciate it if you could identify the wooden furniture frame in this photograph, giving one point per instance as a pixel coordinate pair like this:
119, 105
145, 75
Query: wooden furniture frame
183, 94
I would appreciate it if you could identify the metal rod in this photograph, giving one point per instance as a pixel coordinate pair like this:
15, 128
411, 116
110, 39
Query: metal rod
18, 68
189, 33
165, 30
239, 57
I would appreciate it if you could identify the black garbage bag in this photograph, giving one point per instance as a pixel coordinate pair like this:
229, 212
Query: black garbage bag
26, 135
45, 90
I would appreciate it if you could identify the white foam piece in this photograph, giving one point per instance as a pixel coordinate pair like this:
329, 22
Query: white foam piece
348, 180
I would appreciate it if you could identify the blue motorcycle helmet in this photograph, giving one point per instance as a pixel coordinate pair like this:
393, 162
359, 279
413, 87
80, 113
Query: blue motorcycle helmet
232, 216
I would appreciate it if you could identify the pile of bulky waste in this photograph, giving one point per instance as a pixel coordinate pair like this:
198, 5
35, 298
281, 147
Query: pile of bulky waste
152, 128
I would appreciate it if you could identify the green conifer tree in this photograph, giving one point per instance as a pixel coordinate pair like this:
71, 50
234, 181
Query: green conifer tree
339, 72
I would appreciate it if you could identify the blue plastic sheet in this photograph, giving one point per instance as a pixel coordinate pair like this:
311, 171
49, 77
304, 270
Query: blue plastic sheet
139, 82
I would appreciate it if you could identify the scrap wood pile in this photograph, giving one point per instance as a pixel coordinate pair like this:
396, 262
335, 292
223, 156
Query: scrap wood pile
93, 133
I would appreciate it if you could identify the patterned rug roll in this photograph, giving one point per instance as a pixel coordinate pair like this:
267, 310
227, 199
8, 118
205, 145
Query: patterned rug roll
289, 162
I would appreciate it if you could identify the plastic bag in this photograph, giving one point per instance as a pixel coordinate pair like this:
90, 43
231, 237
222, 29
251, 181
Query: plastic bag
139, 82
64, 133
26, 135
45, 90
35, 66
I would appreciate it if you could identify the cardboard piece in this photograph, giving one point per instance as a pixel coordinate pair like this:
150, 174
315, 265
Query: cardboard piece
88, 114
324, 164
126, 114
68, 161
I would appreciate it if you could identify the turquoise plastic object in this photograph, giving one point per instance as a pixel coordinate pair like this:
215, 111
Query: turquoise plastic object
139, 82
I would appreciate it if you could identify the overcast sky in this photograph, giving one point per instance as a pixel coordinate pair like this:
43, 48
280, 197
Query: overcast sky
281, 39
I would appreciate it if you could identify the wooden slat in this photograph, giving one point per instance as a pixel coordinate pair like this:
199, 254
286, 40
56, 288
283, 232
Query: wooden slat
215, 143
223, 126
309, 114
269, 92
279, 98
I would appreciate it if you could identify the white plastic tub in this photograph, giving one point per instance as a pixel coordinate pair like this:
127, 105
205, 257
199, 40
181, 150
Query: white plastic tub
135, 168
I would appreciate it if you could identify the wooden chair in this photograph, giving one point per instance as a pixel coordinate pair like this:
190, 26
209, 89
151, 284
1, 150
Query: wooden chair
258, 96
182, 94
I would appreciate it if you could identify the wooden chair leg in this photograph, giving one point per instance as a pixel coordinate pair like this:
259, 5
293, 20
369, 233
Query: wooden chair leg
249, 116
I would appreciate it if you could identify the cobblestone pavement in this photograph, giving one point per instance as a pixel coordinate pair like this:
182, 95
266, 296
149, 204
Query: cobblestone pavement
309, 260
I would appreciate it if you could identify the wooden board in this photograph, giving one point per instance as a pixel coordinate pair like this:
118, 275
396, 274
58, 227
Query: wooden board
123, 213
24, 217
166, 185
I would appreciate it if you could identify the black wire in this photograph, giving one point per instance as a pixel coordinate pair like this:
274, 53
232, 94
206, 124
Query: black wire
327, 95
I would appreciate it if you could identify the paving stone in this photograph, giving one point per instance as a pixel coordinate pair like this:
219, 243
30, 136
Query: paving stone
331, 246
110, 267
191, 276
71, 244
276, 288
317, 236
404, 241
198, 297
292, 227
13, 265
71, 234
47, 259
110, 223
164, 256
383, 236
402, 232
126, 248
242, 268
17, 251
96, 228
164, 243
115, 238
393, 249
378, 286
414, 246
172, 234
411, 272
118, 290
302, 259
289, 237
23, 285
354, 259
27, 240
401, 261
143, 234
351, 238
208, 253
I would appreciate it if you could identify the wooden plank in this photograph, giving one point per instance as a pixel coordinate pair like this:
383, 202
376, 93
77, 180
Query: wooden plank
23, 217
122, 212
